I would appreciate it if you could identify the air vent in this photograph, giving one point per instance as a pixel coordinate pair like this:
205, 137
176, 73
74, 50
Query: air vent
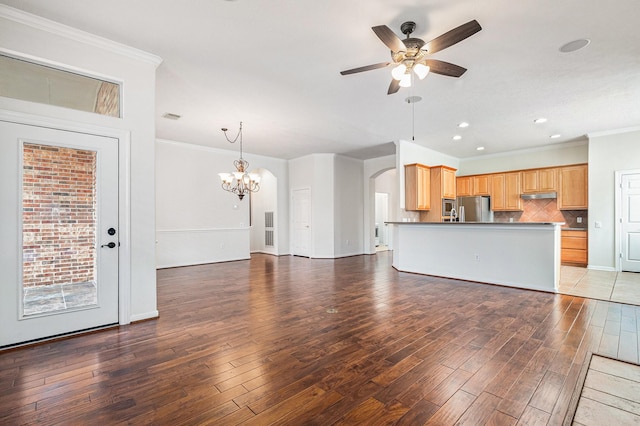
268, 231
171, 116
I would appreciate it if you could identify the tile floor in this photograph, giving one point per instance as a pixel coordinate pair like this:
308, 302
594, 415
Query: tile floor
610, 395
50, 298
621, 287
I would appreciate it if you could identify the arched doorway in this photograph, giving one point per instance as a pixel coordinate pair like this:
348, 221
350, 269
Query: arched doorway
264, 214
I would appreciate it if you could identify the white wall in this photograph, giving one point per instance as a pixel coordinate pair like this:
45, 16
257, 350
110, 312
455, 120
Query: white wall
348, 207
62, 46
608, 153
198, 221
316, 172
336, 184
550, 156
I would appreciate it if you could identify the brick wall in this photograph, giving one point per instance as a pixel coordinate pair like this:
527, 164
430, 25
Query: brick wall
59, 215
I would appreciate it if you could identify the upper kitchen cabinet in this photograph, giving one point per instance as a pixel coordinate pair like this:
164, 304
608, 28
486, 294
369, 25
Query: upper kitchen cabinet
573, 187
480, 185
447, 179
417, 187
505, 192
443, 185
473, 185
539, 180
464, 186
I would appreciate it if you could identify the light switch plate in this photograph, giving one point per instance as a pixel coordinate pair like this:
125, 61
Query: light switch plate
598, 224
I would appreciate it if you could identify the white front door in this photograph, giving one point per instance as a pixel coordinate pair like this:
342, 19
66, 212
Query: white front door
58, 232
301, 206
630, 222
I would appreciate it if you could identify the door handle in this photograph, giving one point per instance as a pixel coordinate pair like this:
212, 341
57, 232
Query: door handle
110, 245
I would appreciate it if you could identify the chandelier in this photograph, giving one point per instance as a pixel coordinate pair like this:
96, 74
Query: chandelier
241, 181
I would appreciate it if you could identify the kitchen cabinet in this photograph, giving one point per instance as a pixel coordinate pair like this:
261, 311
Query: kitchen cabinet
417, 187
464, 186
473, 185
480, 185
539, 180
573, 187
505, 191
573, 247
448, 181
443, 185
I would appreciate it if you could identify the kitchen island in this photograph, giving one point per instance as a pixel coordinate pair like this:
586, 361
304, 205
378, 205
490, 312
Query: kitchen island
520, 254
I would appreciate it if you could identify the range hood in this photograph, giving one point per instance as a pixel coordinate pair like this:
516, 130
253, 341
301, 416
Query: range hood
539, 195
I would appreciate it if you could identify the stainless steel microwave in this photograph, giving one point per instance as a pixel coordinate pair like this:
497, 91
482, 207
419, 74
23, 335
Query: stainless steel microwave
448, 204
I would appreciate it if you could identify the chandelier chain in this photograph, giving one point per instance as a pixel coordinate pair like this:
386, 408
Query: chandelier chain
240, 182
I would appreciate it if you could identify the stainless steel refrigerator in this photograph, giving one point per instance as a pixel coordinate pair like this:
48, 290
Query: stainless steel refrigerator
474, 209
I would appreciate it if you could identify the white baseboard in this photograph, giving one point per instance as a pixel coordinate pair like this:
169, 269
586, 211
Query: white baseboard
144, 316
601, 268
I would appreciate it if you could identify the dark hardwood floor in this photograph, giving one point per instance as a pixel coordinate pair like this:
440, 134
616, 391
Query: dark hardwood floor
288, 340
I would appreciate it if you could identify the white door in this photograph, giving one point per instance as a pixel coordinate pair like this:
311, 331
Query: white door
630, 222
58, 232
301, 206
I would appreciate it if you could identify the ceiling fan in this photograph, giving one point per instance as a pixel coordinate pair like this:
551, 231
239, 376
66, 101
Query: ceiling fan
411, 53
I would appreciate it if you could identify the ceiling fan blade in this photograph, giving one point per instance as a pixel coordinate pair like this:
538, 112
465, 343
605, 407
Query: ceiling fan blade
365, 68
445, 68
389, 38
452, 37
393, 87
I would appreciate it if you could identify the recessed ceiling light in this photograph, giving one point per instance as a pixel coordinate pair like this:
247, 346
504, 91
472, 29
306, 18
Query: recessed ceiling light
480, 148
556, 136
540, 120
456, 137
171, 116
463, 125
574, 45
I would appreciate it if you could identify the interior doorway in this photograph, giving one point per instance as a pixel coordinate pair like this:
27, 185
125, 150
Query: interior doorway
59, 232
381, 217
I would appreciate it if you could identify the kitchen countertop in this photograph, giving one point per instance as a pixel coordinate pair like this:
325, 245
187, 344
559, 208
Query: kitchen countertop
574, 229
480, 223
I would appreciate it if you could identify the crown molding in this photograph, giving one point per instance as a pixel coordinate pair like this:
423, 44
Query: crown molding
549, 147
613, 132
66, 31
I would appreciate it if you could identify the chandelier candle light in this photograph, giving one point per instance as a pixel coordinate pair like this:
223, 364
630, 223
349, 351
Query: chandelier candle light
241, 181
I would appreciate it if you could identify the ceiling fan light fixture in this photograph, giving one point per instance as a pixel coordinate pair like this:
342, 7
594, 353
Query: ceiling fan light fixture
398, 72
405, 81
421, 70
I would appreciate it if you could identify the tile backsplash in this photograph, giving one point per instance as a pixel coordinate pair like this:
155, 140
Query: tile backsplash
544, 210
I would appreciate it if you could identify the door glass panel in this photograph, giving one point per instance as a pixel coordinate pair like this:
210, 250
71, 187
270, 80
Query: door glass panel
33, 82
58, 228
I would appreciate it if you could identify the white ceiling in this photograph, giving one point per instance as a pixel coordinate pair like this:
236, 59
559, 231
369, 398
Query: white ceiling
274, 64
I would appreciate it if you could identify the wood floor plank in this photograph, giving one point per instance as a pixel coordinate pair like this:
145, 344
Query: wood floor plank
252, 342
534, 417
480, 411
452, 410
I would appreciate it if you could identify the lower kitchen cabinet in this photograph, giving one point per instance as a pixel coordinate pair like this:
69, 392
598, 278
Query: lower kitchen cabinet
573, 247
